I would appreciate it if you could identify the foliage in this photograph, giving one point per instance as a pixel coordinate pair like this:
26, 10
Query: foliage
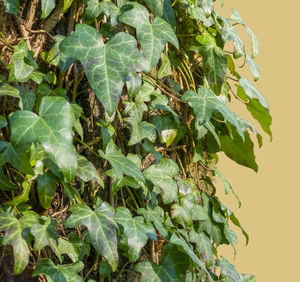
113, 114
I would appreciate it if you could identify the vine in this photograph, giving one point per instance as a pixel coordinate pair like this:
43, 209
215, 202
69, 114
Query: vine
112, 117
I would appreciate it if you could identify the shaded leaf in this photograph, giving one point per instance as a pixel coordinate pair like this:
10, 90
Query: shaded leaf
101, 229
106, 65
47, 7
173, 264
165, 68
228, 269
207, 6
135, 230
46, 188
142, 130
12, 6
6, 89
5, 183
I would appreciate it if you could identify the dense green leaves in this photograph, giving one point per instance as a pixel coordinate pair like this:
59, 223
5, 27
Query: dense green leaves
101, 228
12, 6
53, 128
106, 65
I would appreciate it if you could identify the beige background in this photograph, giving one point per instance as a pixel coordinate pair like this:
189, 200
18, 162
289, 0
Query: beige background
270, 211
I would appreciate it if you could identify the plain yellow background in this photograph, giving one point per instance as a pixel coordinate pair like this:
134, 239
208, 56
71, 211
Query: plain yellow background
270, 211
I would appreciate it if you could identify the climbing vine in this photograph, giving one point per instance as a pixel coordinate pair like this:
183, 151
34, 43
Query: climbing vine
112, 117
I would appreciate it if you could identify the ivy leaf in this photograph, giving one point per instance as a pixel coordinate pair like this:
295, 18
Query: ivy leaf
106, 65
173, 264
163, 9
251, 92
12, 6
47, 7
133, 84
142, 130
179, 241
6, 89
214, 65
207, 6
261, 114
254, 41
155, 215
240, 151
228, 269
3, 122
87, 172
248, 278
17, 157
229, 33
53, 128
188, 210
16, 234
46, 188
5, 183
27, 100
253, 67
120, 163
204, 246
67, 4
206, 102
165, 68
161, 175
153, 36
135, 230
101, 229
75, 247
45, 235
61, 273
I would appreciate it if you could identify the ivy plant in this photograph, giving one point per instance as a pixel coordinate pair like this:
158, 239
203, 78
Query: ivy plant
113, 114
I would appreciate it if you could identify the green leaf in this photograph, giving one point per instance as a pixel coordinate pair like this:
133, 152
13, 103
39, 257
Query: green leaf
179, 241
203, 245
16, 235
53, 128
163, 9
27, 100
87, 172
240, 151
12, 6
75, 247
104, 269
228, 269
45, 235
248, 278
6, 89
120, 163
5, 183
142, 130
161, 175
153, 36
254, 41
47, 7
155, 215
261, 114
101, 229
67, 4
17, 157
207, 6
173, 264
106, 65
251, 92
135, 230
3, 122
61, 273
205, 103
214, 65
46, 188
188, 210
165, 68
253, 67
229, 33
24, 63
